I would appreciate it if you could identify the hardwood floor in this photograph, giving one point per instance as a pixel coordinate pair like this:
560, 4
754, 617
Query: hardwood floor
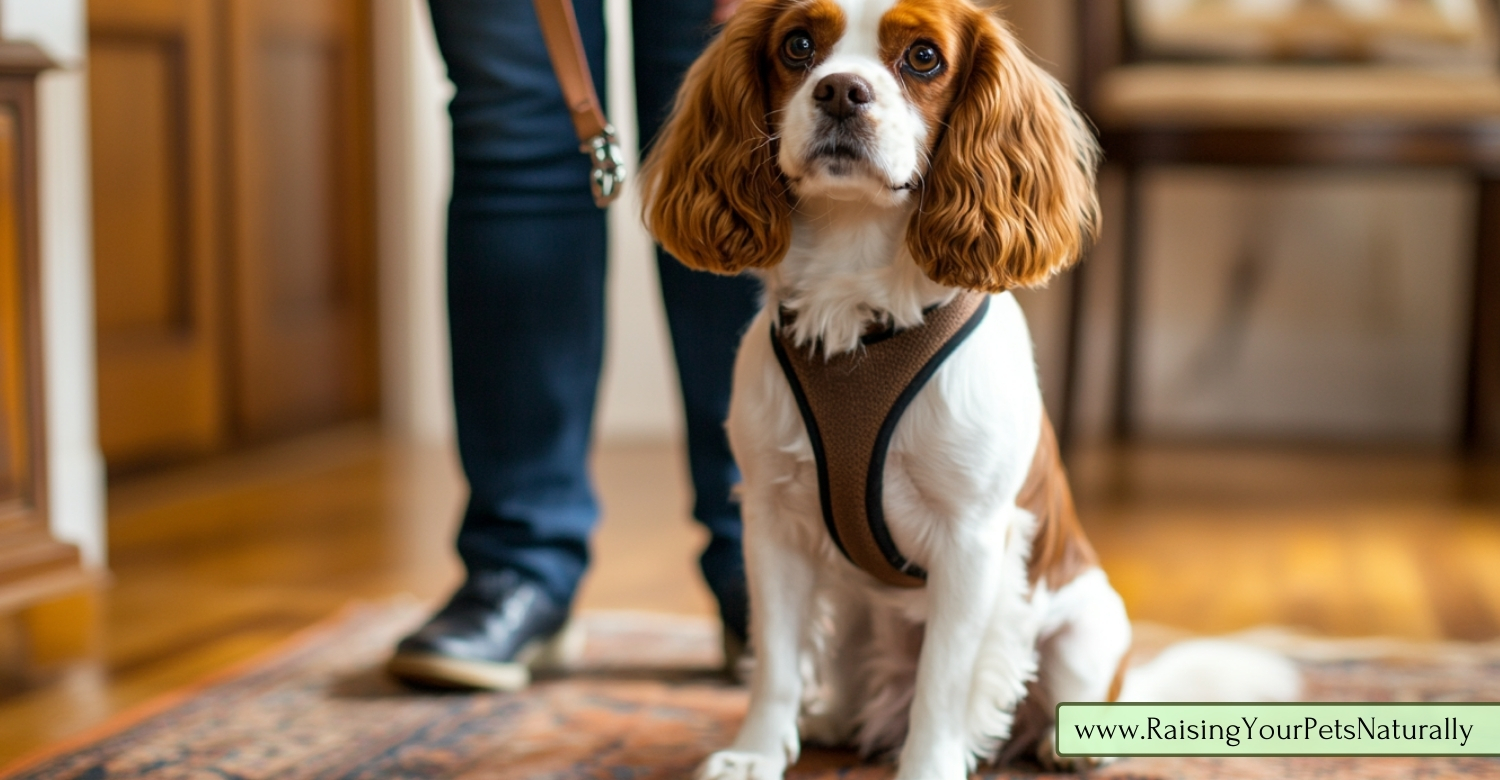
215, 563
1333, 542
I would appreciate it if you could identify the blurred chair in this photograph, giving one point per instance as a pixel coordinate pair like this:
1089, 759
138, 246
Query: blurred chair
1303, 93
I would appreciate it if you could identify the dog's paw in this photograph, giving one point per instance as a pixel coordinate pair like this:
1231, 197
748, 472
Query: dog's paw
1046, 755
736, 765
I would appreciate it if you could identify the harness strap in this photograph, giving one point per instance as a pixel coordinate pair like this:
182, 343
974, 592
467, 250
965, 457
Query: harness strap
851, 404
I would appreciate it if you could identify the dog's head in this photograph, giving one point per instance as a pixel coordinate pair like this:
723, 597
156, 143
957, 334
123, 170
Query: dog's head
927, 102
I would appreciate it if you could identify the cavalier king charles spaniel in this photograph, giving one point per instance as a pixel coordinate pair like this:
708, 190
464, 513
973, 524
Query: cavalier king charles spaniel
874, 161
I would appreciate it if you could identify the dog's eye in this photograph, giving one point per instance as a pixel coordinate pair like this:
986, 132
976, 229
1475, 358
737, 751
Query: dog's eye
798, 48
923, 59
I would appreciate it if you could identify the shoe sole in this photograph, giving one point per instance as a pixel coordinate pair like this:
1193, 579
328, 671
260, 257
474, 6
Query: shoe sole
560, 651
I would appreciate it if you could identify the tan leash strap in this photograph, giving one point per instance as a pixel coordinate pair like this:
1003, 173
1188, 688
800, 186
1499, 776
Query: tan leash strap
596, 135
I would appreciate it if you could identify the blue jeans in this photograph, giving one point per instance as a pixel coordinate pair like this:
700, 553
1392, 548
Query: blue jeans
526, 264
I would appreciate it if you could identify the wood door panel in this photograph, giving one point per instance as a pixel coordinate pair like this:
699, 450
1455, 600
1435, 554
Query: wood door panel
328, 19
305, 259
303, 254
141, 273
156, 230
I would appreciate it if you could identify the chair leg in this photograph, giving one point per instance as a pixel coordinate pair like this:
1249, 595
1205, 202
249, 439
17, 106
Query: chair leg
1129, 314
1067, 415
1481, 425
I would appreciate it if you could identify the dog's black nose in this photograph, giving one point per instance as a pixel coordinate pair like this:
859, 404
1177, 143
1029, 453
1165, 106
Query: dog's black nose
842, 95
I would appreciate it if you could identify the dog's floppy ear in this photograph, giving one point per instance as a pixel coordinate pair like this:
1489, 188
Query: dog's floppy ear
1008, 199
714, 196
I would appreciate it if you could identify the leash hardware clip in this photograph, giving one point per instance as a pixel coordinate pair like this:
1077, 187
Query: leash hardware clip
608, 176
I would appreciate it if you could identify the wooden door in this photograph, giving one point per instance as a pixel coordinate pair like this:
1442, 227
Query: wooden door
232, 200
302, 238
157, 249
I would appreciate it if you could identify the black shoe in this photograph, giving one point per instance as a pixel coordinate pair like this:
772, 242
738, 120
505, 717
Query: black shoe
494, 631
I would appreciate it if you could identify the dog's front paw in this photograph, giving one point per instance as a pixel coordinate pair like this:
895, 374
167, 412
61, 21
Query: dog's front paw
737, 765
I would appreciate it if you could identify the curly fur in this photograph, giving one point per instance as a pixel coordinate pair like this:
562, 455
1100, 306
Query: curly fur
1009, 199
714, 197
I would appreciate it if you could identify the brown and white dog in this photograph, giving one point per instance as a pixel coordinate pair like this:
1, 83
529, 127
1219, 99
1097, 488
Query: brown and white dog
872, 159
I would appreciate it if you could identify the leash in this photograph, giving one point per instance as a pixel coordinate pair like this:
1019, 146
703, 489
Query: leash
596, 136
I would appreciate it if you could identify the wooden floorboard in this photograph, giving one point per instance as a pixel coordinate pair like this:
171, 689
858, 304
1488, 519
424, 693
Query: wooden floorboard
214, 563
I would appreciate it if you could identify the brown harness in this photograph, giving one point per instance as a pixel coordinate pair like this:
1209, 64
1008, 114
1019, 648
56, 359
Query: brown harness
851, 403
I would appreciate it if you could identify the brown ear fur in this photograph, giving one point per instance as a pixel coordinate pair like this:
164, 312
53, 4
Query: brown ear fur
714, 196
1009, 197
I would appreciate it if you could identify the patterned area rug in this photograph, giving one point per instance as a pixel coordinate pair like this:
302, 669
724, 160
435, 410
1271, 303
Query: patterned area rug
647, 703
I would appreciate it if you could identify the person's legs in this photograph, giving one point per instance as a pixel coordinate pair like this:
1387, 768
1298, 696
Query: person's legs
526, 305
526, 250
526, 257
706, 313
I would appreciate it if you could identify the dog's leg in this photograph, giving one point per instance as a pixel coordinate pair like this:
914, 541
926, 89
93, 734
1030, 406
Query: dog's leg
963, 586
1085, 636
781, 578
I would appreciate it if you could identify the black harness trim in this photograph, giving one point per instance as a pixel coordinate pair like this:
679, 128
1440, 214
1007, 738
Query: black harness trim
813, 436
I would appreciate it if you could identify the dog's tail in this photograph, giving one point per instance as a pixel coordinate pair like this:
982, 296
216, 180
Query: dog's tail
1211, 670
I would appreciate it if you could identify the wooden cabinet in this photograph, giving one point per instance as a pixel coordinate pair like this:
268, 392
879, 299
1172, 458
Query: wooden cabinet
32, 565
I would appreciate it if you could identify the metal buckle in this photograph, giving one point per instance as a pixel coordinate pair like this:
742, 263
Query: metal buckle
608, 177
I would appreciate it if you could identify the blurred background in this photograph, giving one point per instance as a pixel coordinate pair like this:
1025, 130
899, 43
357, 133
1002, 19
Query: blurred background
224, 403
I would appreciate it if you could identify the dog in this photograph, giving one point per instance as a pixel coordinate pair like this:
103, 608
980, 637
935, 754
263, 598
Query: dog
883, 165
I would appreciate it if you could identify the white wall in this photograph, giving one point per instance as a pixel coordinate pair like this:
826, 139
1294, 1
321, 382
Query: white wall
76, 468
413, 176
639, 398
